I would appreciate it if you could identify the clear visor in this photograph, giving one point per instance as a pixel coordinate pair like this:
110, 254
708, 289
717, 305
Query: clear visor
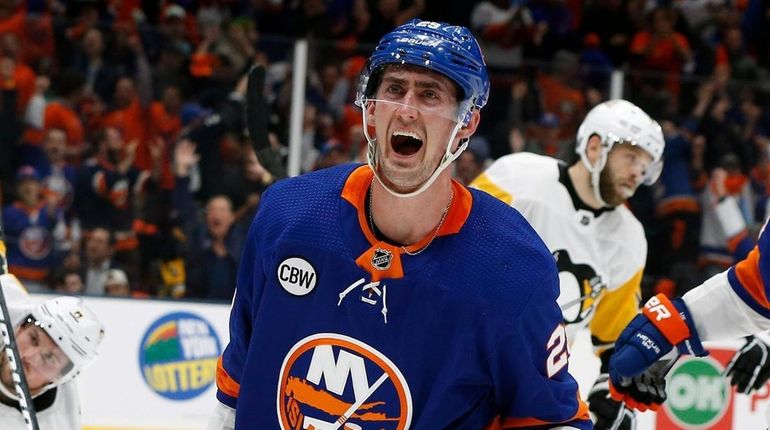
651, 170
47, 359
426, 109
405, 129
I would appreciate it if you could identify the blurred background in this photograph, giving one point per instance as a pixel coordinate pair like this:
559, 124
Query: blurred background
124, 147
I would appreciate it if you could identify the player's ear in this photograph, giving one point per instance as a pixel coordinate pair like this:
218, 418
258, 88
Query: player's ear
370, 112
467, 130
594, 149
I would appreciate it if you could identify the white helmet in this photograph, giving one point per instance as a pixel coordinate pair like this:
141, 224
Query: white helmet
620, 121
74, 328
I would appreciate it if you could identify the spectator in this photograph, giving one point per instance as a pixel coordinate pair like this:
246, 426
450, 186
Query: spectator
254, 180
214, 248
132, 99
100, 73
381, 16
674, 232
98, 259
29, 223
561, 95
165, 124
663, 51
596, 66
58, 183
716, 244
59, 113
116, 284
472, 161
10, 122
68, 281
173, 29
169, 70
108, 186
23, 75
504, 27
610, 22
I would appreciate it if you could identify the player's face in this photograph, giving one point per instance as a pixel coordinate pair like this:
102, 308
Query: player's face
624, 172
413, 119
43, 360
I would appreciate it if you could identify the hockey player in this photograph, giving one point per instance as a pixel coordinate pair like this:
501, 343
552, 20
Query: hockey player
729, 305
599, 246
379, 296
56, 339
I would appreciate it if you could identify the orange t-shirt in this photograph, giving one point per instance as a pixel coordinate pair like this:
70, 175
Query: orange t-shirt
58, 115
166, 128
14, 24
24, 77
132, 123
663, 55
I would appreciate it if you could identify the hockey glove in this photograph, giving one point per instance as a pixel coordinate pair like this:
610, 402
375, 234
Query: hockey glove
641, 392
652, 334
749, 369
606, 413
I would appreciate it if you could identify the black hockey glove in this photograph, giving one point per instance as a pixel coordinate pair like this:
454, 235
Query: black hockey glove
749, 369
606, 413
643, 392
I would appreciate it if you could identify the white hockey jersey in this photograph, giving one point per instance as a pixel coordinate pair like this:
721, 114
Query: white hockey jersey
58, 408
600, 253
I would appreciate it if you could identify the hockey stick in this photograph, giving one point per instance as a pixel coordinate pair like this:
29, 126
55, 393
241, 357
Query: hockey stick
14, 358
257, 112
354, 407
258, 118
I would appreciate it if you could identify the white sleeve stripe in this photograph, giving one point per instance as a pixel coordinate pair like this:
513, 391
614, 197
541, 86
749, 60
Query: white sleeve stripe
718, 312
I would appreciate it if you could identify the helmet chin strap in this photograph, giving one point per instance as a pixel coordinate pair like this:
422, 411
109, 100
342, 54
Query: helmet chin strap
11, 394
595, 180
8, 393
596, 172
372, 159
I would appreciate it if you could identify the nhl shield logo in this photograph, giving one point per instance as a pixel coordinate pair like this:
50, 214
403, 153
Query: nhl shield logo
381, 259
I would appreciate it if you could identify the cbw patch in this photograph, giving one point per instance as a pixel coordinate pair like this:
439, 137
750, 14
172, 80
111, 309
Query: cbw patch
329, 381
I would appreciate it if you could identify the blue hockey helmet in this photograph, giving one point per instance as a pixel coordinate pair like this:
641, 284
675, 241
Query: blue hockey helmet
450, 50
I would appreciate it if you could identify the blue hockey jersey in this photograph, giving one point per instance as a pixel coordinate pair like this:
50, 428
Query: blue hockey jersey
333, 329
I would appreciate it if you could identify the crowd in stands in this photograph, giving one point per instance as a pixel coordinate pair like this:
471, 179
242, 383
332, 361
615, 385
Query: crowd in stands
125, 168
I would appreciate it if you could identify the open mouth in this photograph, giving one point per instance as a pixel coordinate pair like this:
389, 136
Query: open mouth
405, 143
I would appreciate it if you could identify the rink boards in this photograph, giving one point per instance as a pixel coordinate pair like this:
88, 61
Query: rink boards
158, 364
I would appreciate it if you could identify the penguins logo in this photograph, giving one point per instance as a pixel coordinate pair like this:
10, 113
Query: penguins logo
325, 384
579, 286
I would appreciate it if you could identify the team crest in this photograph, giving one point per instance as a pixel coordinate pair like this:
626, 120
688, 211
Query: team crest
329, 381
381, 259
35, 242
580, 286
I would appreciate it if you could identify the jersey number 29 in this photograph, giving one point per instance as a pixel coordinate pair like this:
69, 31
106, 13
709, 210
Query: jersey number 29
558, 355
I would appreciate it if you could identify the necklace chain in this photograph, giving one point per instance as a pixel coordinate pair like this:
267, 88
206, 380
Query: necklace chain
435, 230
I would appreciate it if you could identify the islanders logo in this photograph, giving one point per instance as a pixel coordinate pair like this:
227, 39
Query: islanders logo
178, 356
329, 381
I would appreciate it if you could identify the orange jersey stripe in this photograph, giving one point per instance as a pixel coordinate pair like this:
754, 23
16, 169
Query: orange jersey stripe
357, 187
509, 423
747, 272
30, 273
225, 383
